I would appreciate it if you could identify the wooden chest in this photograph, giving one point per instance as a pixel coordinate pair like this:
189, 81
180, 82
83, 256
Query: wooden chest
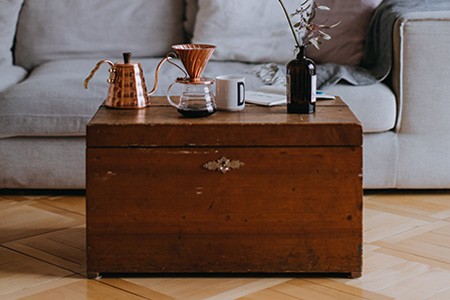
254, 191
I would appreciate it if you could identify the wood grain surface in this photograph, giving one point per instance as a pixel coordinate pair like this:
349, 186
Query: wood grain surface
406, 256
295, 204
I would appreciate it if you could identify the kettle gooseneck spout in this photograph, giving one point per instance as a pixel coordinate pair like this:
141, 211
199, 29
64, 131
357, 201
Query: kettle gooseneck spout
168, 58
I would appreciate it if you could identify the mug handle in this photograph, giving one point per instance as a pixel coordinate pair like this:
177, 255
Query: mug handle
241, 93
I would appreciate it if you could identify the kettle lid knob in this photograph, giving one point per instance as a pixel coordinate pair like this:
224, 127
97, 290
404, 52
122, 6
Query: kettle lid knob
127, 57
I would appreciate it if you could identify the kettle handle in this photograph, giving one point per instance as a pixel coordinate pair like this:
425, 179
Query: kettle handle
97, 66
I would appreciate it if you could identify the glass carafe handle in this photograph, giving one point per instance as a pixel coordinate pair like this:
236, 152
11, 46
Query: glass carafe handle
169, 98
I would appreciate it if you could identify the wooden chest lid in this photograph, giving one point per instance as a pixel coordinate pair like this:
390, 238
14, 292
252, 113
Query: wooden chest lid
160, 125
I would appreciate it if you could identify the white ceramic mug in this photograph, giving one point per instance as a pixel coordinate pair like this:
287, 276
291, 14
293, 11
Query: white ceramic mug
230, 92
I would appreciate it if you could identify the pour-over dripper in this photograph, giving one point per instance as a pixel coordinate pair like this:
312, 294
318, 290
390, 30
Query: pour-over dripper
194, 58
196, 98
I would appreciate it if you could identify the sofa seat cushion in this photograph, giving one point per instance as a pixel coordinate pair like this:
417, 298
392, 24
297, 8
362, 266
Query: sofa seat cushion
374, 105
50, 102
53, 102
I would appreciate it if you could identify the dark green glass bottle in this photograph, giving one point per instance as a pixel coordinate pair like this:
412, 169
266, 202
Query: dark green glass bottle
301, 84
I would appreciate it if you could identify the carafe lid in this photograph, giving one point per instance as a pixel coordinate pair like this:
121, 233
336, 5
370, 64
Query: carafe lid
200, 80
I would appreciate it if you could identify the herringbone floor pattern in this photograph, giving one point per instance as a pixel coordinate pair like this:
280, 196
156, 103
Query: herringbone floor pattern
406, 256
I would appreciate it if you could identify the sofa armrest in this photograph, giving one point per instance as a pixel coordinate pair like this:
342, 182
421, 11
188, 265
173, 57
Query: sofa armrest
10, 75
421, 72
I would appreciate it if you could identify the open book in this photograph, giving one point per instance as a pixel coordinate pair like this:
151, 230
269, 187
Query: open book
276, 95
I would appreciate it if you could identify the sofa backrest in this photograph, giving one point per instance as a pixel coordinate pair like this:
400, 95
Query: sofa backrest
245, 30
60, 29
191, 15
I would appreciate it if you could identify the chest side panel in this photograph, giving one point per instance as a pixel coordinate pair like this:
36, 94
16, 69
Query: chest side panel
292, 209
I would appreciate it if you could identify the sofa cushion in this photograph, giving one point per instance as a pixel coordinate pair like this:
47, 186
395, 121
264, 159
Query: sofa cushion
67, 29
347, 43
10, 75
50, 102
374, 105
257, 30
9, 13
53, 102
191, 15
249, 31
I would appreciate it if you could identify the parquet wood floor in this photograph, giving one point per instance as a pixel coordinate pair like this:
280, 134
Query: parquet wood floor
406, 256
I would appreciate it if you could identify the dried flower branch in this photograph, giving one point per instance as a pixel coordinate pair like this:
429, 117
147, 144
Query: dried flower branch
308, 31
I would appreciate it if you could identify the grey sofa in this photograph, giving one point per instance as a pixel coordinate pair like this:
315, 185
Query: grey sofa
51, 45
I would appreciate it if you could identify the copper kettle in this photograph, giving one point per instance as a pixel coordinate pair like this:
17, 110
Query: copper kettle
127, 83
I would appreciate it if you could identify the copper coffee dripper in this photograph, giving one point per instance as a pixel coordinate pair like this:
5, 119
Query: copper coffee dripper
194, 58
127, 83
196, 98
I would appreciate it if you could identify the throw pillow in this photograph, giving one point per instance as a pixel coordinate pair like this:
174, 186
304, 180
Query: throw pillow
347, 43
245, 30
257, 30
9, 13
61, 29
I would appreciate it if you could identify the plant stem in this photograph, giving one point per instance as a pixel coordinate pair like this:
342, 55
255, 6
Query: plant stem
290, 23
